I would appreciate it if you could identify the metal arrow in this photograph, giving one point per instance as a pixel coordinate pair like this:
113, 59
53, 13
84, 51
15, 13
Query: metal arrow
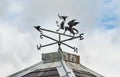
40, 30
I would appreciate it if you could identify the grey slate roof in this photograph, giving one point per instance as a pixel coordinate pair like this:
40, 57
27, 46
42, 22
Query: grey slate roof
79, 73
52, 72
57, 68
47, 72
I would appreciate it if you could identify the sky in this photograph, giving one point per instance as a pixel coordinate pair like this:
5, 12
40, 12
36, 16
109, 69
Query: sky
99, 21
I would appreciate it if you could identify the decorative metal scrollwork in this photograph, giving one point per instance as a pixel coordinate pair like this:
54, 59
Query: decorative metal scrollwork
81, 36
76, 50
39, 47
41, 35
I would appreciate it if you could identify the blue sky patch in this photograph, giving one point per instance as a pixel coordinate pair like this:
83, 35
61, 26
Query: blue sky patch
107, 1
110, 26
109, 18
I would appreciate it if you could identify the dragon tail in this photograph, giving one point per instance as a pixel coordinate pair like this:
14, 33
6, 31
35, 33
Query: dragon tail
76, 31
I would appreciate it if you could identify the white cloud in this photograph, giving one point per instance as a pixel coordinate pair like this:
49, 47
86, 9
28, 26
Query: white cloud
99, 50
42, 11
14, 48
101, 53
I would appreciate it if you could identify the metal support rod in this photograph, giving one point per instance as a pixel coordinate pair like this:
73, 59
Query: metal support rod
68, 46
59, 42
70, 38
56, 43
48, 44
49, 37
59, 48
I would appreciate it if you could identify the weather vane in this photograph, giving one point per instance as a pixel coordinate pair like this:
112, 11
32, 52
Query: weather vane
62, 26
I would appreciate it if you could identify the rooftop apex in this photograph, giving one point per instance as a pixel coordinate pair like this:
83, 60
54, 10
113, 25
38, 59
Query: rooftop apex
55, 56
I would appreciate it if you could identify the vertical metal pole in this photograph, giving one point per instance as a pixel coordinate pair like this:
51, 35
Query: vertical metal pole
59, 48
60, 53
59, 43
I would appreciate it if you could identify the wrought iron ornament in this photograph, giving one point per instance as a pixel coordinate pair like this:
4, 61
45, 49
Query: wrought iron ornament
65, 28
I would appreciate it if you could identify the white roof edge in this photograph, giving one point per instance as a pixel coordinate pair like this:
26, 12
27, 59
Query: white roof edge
64, 70
82, 68
92, 71
39, 65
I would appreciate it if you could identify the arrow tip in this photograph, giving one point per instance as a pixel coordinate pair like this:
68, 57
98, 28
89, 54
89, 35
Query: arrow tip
37, 27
